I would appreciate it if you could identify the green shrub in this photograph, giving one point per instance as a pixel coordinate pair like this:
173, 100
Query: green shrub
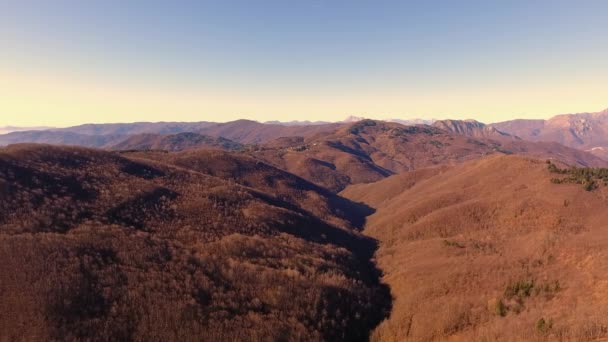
541, 325
450, 243
501, 308
544, 326
522, 288
436, 143
586, 176
589, 185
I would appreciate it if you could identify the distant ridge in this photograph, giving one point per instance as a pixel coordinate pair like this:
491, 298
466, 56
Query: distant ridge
176, 142
586, 131
407, 122
108, 135
9, 129
472, 128
296, 123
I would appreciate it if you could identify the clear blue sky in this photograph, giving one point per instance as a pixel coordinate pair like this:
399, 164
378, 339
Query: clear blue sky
67, 62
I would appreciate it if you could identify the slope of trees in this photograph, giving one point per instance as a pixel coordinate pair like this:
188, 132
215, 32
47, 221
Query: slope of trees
99, 246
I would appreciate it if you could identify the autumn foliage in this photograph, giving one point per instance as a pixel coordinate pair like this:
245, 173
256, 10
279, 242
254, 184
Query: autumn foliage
103, 246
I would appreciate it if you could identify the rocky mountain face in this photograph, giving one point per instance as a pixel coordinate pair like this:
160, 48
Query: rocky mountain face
586, 131
472, 128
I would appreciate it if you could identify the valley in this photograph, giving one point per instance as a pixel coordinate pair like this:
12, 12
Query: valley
303, 171
369, 230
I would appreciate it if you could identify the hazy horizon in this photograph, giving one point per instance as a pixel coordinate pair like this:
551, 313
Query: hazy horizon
298, 120
67, 63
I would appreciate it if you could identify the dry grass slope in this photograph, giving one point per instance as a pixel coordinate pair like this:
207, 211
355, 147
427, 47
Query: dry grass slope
490, 250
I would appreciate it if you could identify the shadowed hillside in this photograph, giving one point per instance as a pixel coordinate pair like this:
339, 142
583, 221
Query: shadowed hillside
99, 246
490, 250
284, 186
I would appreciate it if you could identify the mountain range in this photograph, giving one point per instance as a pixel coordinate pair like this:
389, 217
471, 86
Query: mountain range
353, 231
9, 129
585, 131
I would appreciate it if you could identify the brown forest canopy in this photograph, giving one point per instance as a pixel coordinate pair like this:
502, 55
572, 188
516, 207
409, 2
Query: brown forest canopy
99, 246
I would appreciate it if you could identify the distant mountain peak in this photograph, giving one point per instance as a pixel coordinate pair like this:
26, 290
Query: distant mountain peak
579, 130
353, 118
296, 123
415, 121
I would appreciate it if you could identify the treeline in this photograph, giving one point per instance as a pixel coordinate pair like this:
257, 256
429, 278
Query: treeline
589, 177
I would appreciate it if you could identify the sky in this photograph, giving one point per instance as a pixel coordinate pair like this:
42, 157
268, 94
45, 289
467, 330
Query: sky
70, 62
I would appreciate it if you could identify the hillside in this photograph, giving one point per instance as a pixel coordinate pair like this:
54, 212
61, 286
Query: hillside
368, 151
491, 250
253, 132
59, 138
104, 246
472, 128
586, 131
175, 142
136, 128
242, 169
255, 244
